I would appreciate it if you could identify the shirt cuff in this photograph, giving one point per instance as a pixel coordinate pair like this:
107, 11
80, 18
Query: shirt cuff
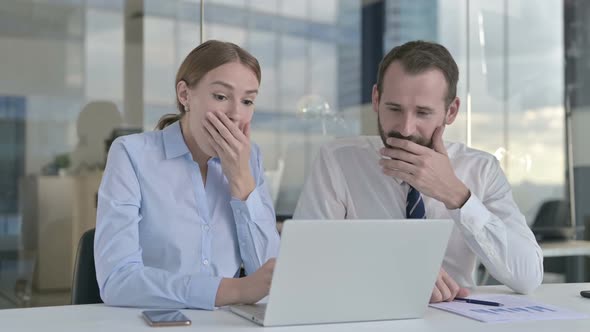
203, 291
250, 209
473, 216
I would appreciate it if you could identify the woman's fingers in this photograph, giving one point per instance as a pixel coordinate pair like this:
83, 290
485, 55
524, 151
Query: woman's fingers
226, 127
217, 137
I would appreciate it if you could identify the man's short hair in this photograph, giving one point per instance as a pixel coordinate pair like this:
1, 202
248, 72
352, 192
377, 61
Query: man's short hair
419, 56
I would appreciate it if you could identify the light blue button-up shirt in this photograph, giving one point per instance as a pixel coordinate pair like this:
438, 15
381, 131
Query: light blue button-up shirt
165, 240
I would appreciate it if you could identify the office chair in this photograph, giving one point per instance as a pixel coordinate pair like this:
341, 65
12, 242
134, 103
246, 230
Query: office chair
84, 285
553, 221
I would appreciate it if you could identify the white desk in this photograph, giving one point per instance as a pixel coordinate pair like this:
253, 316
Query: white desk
103, 318
565, 248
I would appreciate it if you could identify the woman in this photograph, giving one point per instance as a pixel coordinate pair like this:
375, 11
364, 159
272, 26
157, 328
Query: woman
182, 208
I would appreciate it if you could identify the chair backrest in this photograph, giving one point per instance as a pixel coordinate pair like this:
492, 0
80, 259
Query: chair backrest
553, 221
553, 213
84, 285
273, 178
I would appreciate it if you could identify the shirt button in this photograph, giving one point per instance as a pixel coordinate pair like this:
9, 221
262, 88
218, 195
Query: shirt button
206, 228
205, 262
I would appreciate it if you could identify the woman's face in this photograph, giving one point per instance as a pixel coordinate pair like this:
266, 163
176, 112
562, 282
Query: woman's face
230, 89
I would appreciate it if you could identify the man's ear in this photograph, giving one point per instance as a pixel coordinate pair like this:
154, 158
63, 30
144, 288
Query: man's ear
375, 98
452, 111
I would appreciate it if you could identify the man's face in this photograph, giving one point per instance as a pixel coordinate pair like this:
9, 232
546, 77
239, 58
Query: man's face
412, 106
392, 133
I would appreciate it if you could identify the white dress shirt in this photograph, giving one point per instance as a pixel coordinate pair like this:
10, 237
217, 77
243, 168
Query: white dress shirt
346, 182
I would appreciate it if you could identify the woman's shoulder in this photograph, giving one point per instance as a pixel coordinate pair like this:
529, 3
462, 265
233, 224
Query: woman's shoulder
140, 142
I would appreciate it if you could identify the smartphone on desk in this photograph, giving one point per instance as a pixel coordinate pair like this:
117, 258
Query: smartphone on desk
165, 318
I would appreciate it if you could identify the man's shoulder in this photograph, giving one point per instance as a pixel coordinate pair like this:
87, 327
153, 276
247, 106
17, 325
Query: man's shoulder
461, 152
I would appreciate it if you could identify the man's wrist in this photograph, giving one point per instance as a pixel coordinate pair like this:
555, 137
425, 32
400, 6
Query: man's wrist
458, 199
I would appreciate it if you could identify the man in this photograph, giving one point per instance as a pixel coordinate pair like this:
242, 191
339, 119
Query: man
409, 172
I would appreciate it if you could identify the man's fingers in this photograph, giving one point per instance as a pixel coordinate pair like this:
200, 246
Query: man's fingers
436, 296
404, 176
451, 284
463, 292
400, 155
399, 165
437, 141
408, 146
444, 289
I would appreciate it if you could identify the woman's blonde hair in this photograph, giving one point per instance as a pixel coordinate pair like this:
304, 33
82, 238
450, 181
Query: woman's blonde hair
204, 58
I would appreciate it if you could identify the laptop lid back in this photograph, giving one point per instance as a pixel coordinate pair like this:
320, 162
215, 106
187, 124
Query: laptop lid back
355, 270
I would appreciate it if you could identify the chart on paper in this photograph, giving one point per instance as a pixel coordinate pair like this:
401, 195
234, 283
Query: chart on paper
514, 309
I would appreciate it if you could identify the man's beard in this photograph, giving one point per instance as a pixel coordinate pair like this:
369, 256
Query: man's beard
416, 139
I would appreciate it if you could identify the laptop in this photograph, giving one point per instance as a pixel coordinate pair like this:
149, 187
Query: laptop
334, 271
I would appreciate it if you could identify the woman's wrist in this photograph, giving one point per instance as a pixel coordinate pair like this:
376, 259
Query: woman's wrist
242, 187
229, 292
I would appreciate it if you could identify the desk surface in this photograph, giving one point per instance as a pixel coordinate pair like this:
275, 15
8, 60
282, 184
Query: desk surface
103, 318
565, 248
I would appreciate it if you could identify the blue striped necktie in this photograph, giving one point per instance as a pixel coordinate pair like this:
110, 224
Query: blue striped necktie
415, 205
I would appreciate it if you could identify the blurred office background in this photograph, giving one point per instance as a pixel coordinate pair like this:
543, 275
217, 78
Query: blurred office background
76, 73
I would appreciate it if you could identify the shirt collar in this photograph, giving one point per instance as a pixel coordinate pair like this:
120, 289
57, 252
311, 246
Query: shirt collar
174, 145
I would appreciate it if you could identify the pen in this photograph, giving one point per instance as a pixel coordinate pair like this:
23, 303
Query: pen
474, 301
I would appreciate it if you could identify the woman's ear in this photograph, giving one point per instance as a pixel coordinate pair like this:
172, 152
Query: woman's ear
182, 93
